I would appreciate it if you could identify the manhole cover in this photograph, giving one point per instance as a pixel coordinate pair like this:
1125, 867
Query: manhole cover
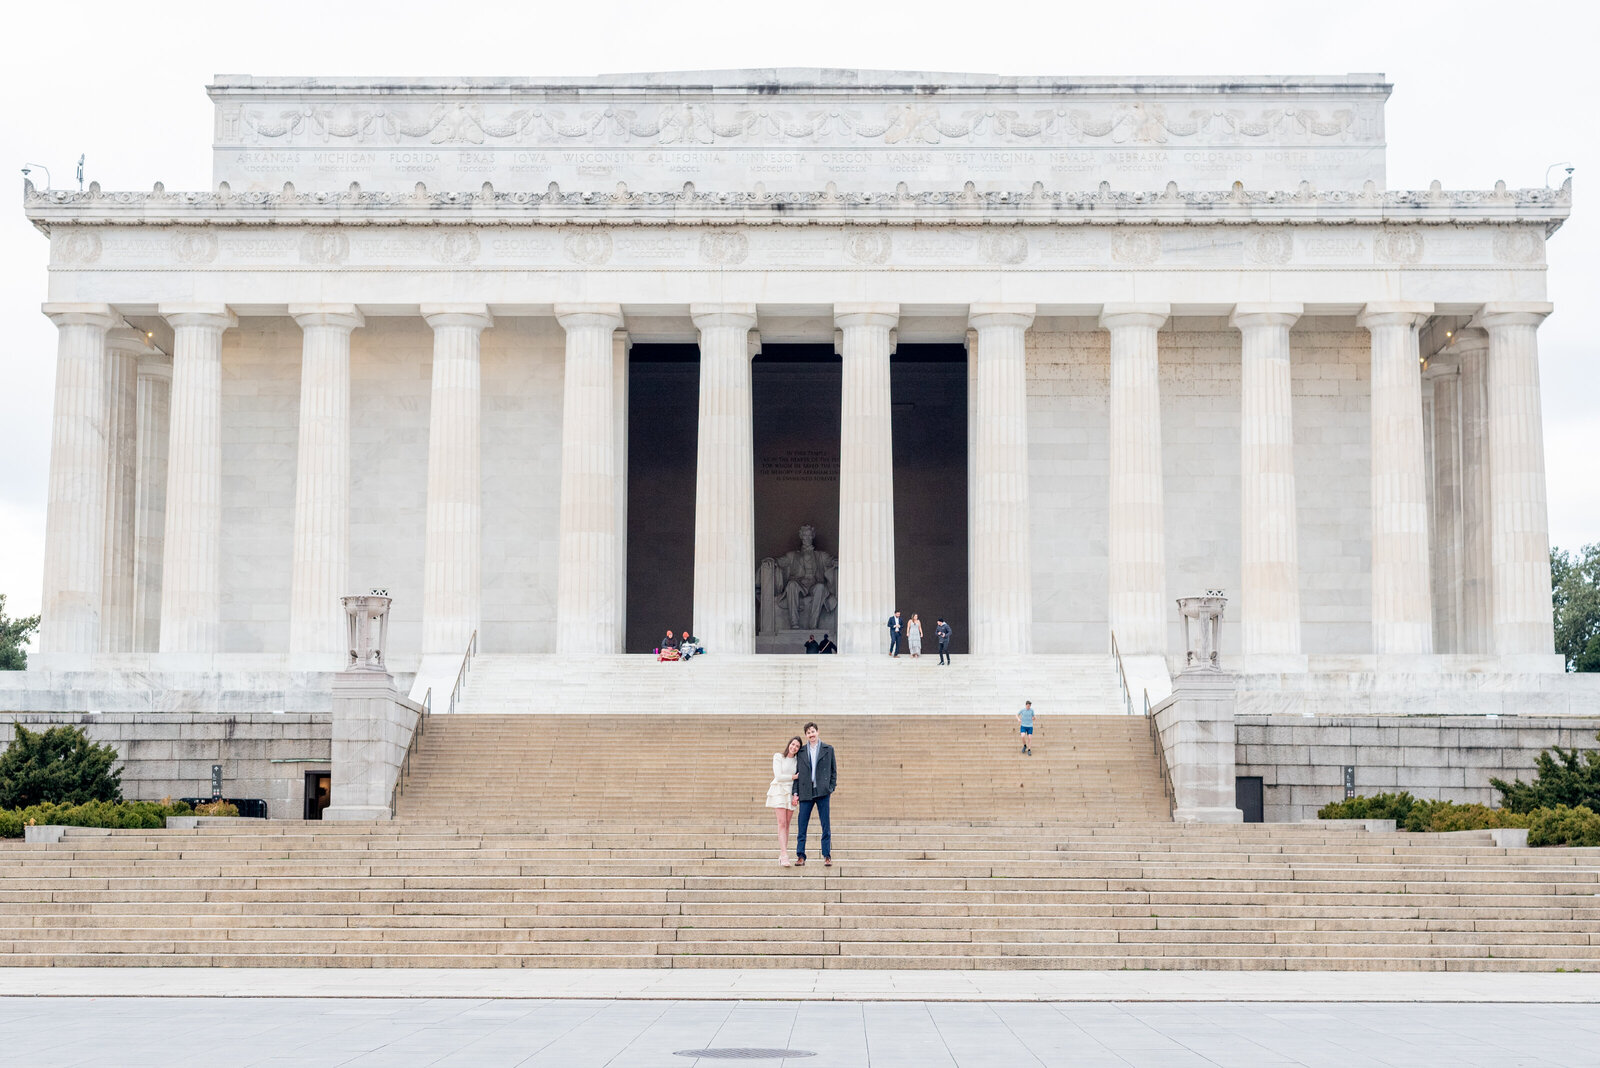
743, 1053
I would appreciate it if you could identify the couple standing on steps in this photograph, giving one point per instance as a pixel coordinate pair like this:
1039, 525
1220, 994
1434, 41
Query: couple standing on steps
804, 777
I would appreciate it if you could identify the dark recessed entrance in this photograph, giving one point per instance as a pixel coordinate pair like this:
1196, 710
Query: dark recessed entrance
663, 433
319, 791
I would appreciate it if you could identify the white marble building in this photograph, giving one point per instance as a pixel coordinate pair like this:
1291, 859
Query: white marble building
1206, 348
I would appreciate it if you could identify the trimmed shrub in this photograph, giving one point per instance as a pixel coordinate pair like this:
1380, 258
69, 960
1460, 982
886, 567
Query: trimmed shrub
1562, 825
1449, 816
1377, 807
1568, 779
57, 766
144, 815
216, 808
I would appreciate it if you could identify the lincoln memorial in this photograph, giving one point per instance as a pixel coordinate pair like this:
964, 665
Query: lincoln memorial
559, 364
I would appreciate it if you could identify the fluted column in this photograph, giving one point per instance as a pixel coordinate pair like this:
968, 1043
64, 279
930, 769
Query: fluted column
123, 346
620, 344
724, 492
586, 579
1001, 562
321, 566
1269, 565
1520, 527
191, 570
866, 476
452, 555
1137, 546
1471, 350
1402, 605
1444, 377
75, 516
155, 401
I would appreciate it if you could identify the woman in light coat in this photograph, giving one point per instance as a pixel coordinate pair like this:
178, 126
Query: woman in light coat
780, 794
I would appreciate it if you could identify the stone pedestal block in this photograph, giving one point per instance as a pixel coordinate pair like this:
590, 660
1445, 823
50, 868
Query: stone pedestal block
1197, 735
372, 728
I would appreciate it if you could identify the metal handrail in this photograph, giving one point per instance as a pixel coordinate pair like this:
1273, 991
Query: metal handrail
1149, 720
427, 709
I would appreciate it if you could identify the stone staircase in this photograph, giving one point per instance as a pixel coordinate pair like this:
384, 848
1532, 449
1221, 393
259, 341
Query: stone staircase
644, 768
795, 686
640, 841
683, 890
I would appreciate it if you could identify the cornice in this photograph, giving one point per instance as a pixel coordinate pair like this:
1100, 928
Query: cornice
829, 207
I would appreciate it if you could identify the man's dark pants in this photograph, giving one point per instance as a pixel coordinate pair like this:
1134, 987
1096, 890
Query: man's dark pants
944, 652
821, 805
894, 643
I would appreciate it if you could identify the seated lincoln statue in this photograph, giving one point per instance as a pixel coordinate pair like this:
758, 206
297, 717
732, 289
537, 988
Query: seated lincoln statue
797, 591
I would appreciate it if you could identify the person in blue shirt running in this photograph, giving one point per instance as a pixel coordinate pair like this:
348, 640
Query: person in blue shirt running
1025, 726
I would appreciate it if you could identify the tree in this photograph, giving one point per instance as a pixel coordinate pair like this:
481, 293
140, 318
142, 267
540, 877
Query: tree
13, 636
60, 765
1575, 600
1571, 777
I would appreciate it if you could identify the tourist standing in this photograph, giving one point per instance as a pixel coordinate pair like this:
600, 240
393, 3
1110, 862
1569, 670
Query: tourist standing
914, 636
941, 631
894, 635
812, 645
817, 778
781, 793
827, 645
1025, 727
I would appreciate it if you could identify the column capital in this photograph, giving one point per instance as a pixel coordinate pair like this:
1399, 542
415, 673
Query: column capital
1254, 316
1469, 339
880, 315
736, 316
608, 316
1441, 365
984, 316
474, 316
215, 316
1394, 313
1502, 313
153, 363
1152, 316
343, 316
101, 315
127, 339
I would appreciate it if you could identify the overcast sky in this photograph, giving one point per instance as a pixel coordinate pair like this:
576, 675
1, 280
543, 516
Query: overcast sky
1482, 91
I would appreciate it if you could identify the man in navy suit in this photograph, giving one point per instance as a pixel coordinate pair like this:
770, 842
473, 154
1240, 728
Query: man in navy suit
818, 776
894, 634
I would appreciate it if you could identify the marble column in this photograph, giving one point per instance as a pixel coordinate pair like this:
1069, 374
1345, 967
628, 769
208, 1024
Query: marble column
1444, 378
1001, 561
620, 344
1137, 543
1269, 571
1402, 605
123, 347
191, 569
724, 492
75, 515
320, 573
586, 576
866, 477
1520, 526
150, 514
453, 549
1471, 349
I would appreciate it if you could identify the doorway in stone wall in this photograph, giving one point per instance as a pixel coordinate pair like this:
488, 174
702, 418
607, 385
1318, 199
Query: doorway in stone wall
319, 791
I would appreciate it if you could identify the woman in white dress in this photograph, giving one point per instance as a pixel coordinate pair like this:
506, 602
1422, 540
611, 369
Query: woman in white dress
780, 795
914, 635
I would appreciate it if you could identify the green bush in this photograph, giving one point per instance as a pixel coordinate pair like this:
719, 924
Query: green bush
1377, 807
58, 766
145, 815
1562, 825
1569, 779
1442, 816
216, 808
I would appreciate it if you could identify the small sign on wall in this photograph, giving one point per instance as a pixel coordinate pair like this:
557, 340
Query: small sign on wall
216, 781
1349, 781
